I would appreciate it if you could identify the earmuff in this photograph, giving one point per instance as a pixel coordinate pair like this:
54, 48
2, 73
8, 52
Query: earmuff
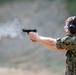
72, 26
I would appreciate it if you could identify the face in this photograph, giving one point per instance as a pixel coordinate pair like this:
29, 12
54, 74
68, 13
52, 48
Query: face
66, 26
68, 22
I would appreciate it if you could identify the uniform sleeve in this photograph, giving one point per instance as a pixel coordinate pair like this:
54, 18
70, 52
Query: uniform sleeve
68, 43
59, 43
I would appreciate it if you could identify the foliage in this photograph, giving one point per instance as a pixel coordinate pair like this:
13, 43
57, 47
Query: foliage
9, 1
5, 1
71, 7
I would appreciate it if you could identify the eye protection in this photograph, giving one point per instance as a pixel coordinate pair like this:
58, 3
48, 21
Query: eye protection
65, 27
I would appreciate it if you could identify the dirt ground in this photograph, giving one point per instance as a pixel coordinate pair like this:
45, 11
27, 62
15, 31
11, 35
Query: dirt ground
20, 72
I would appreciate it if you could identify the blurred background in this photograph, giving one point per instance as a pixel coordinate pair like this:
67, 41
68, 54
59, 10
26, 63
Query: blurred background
23, 57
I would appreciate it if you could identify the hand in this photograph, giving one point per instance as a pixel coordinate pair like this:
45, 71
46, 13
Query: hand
34, 37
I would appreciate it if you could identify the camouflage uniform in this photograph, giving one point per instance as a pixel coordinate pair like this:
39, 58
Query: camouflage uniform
69, 43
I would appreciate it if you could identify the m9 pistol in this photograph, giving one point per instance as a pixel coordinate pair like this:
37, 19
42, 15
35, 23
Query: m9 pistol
29, 30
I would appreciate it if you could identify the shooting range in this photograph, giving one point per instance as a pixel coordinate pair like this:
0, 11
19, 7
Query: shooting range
20, 56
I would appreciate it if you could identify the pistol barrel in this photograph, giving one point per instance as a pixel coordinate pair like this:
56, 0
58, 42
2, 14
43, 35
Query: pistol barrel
29, 30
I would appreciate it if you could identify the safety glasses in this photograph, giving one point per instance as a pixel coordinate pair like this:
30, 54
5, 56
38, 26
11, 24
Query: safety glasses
65, 27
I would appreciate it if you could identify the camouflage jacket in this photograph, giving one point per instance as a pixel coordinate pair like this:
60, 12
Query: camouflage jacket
69, 43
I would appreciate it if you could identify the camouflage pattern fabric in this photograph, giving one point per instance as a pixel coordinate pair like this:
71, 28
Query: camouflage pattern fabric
69, 43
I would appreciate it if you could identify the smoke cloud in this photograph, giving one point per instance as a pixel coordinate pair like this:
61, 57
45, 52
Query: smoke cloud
10, 29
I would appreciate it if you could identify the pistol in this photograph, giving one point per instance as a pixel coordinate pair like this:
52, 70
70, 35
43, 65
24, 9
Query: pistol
29, 30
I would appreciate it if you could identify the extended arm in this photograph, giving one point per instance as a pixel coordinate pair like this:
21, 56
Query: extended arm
46, 41
50, 43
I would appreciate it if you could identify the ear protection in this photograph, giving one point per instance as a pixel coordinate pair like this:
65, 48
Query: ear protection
72, 26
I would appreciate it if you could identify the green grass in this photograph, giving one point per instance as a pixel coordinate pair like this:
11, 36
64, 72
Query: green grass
71, 6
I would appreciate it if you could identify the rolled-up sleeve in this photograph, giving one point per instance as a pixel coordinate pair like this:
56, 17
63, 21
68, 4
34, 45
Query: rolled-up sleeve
59, 43
68, 43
